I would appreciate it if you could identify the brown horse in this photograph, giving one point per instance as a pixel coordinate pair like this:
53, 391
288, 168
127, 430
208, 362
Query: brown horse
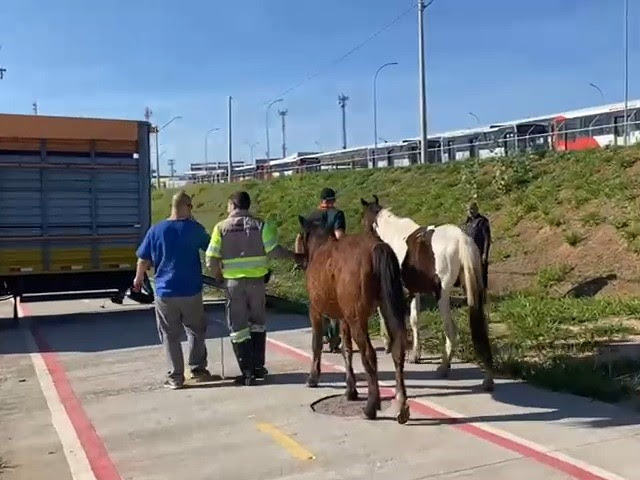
348, 279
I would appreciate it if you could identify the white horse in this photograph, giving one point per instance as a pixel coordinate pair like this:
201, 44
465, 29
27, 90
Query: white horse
432, 260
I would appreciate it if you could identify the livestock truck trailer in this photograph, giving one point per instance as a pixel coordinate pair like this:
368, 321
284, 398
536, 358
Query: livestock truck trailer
75, 202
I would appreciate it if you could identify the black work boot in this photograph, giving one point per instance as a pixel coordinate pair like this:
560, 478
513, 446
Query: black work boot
259, 343
244, 355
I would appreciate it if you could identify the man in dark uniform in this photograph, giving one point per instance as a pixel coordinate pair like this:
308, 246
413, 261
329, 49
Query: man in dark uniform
330, 217
478, 228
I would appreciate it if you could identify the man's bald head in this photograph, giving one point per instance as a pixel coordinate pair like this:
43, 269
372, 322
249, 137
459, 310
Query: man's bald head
181, 205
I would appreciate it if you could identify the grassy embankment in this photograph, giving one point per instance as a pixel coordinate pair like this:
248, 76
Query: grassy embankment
564, 271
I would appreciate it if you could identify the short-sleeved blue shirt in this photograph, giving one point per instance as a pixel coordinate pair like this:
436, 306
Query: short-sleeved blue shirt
173, 247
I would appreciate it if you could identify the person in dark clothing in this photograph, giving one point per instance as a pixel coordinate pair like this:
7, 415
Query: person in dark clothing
328, 214
478, 228
330, 217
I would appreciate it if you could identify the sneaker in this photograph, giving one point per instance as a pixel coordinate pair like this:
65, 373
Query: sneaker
173, 384
203, 375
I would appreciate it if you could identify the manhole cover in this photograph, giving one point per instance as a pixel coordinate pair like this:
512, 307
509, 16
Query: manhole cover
339, 406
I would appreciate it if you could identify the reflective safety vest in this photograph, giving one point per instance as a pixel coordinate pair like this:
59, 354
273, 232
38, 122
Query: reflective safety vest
242, 242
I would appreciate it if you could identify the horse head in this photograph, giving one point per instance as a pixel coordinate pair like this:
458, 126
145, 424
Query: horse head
312, 235
370, 212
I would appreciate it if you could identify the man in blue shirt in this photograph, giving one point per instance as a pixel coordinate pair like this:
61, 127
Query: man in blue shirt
172, 247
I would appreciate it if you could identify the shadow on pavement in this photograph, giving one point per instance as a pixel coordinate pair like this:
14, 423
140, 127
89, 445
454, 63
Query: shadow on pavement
104, 330
553, 406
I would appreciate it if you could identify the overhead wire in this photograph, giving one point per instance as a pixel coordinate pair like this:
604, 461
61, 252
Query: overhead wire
347, 54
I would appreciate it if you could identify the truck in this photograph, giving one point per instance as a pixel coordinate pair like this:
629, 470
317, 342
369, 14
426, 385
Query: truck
75, 202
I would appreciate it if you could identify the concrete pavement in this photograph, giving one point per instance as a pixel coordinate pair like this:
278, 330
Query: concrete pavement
113, 365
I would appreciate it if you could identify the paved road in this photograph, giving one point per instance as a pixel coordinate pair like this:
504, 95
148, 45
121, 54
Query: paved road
81, 397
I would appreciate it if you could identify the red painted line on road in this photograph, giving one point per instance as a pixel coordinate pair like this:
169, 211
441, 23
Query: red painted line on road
93, 446
494, 436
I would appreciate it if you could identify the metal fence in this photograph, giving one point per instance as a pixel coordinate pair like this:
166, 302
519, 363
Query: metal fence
476, 144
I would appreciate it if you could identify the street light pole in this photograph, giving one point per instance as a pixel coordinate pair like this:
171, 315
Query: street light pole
375, 112
267, 126
157, 131
626, 71
230, 152
475, 116
206, 148
423, 83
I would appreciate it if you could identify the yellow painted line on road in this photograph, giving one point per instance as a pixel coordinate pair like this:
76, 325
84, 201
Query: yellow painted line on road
286, 442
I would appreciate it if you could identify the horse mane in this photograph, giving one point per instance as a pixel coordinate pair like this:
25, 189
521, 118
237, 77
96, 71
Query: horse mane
387, 222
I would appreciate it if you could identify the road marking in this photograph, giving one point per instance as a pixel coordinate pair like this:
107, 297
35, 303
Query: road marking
84, 450
286, 442
558, 461
73, 451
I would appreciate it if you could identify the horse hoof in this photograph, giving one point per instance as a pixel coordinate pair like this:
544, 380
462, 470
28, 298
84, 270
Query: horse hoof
488, 385
414, 359
403, 415
387, 349
369, 413
442, 372
312, 383
351, 396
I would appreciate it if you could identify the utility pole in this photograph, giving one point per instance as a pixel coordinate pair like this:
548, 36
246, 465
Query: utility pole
2, 70
35, 107
230, 165
283, 115
626, 72
423, 83
172, 169
342, 102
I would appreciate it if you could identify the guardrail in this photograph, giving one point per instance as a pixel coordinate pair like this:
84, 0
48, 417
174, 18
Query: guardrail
450, 148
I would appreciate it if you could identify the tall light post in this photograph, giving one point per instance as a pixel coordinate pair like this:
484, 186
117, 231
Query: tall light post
423, 82
206, 148
375, 111
626, 71
229, 142
157, 131
267, 126
596, 87
475, 116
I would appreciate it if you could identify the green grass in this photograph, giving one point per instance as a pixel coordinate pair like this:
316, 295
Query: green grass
549, 341
550, 276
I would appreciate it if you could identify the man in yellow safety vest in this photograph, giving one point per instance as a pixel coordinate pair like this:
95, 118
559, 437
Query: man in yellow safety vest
238, 254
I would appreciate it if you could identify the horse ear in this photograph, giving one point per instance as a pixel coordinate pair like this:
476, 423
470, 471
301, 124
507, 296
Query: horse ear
302, 220
364, 202
375, 197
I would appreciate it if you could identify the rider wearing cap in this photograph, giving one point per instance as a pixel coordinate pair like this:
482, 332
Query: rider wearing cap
330, 217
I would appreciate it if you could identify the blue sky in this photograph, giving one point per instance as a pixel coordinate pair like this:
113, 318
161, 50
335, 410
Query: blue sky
500, 59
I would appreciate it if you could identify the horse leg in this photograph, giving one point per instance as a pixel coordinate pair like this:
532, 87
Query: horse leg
450, 333
413, 319
398, 353
316, 346
347, 353
370, 364
383, 332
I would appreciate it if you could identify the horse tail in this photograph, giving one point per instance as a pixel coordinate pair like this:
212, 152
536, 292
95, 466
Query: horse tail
475, 289
392, 303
